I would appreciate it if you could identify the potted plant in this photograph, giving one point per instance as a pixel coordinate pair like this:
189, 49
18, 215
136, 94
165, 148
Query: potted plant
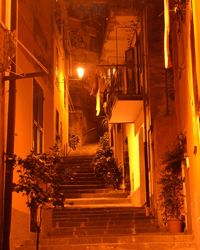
171, 195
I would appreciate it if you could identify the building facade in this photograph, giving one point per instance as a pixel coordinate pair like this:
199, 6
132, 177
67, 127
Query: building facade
39, 102
185, 54
147, 103
143, 125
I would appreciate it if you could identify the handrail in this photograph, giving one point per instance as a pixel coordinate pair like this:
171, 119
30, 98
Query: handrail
90, 130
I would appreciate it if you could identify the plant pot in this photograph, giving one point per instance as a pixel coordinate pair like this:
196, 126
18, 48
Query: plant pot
175, 225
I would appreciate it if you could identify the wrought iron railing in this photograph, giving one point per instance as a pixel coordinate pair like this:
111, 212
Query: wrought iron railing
123, 84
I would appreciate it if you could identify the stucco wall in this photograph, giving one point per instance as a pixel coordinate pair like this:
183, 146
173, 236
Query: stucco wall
187, 105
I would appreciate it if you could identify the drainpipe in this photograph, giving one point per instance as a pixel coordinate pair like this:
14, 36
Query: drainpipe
10, 143
2, 161
146, 162
166, 91
116, 44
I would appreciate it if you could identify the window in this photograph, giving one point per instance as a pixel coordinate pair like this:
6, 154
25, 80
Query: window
37, 118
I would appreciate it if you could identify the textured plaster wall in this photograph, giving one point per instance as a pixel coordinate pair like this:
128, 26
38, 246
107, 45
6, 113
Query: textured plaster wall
34, 32
161, 96
2, 144
186, 48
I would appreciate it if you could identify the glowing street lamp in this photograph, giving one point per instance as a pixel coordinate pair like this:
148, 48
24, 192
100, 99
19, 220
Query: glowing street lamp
80, 72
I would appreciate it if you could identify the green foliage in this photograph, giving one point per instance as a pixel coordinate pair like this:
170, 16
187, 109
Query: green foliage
39, 182
104, 141
104, 124
73, 141
105, 165
171, 180
38, 179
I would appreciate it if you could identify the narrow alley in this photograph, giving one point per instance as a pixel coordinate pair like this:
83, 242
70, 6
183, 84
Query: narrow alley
99, 125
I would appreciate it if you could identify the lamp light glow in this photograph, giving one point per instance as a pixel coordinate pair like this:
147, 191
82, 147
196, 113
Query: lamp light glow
98, 103
80, 72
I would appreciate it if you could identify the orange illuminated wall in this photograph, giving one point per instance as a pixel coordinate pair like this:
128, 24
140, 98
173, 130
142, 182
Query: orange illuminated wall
186, 80
134, 163
5, 12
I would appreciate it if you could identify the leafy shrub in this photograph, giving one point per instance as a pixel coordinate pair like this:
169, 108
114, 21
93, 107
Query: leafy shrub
105, 165
39, 182
38, 179
73, 141
171, 195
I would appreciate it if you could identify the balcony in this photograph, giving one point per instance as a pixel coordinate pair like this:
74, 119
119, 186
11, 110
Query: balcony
121, 50
123, 95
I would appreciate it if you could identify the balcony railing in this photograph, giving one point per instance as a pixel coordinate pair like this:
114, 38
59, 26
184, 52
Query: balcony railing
124, 84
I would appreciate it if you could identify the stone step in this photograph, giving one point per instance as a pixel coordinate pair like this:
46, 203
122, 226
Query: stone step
95, 231
77, 191
77, 170
107, 193
88, 202
85, 176
80, 156
82, 177
103, 229
84, 193
102, 223
78, 173
77, 159
78, 180
157, 241
94, 193
99, 220
74, 164
96, 219
81, 186
107, 211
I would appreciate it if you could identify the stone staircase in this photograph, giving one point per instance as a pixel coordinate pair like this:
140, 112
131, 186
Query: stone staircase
135, 242
96, 217
101, 221
81, 177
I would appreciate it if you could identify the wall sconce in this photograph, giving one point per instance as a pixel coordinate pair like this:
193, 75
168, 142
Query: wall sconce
80, 72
